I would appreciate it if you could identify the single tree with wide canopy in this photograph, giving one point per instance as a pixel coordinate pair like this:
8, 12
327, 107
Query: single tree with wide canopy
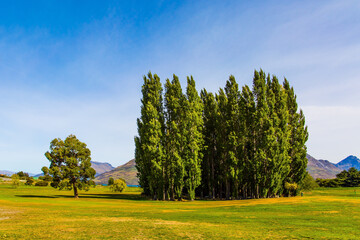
70, 165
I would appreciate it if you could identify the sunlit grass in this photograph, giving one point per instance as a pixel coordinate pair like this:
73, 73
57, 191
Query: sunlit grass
46, 213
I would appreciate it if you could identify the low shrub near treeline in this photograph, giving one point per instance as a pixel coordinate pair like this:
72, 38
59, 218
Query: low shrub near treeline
350, 178
308, 183
29, 181
118, 185
42, 183
15, 179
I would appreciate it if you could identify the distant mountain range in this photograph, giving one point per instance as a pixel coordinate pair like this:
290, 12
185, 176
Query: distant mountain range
127, 171
105, 170
321, 168
325, 169
101, 167
8, 173
316, 168
350, 161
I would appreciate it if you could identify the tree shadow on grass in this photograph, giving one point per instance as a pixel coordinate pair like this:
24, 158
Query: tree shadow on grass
35, 196
123, 196
135, 197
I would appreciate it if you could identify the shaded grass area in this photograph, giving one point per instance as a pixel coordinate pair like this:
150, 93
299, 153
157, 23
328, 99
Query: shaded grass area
46, 213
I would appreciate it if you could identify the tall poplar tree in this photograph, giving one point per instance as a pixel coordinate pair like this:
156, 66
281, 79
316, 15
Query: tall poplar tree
222, 138
298, 137
232, 125
149, 153
278, 148
209, 163
262, 133
250, 167
174, 114
193, 138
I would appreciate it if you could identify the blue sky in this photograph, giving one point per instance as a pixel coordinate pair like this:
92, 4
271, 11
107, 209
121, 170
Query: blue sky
71, 67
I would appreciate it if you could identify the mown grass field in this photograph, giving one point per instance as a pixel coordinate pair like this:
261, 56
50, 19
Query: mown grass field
46, 213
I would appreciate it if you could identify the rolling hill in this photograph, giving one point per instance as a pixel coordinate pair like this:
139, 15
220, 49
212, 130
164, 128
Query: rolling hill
127, 171
101, 168
321, 168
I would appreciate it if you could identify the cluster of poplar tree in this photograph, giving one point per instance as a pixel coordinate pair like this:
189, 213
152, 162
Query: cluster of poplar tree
237, 143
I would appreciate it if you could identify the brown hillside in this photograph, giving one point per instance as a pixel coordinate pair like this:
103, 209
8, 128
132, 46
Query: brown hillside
100, 168
321, 168
127, 171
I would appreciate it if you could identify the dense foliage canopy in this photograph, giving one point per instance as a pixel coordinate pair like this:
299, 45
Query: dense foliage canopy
70, 165
238, 143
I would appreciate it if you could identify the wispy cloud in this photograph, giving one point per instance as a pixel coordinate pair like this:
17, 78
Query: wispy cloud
87, 79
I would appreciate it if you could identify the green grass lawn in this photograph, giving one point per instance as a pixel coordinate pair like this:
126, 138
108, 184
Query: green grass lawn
46, 213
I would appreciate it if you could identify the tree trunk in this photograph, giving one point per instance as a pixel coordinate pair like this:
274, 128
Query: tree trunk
172, 197
163, 193
236, 191
227, 187
76, 194
163, 189
213, 177
220, 193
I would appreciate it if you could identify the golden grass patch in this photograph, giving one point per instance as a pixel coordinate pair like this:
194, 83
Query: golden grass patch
166, 222
6, 213
176, 210
248, 202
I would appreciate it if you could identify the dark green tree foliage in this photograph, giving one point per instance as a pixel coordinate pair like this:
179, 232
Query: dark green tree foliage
42, 183
349, 178
248, 141
236, 144
209, 163
70, 165
110, 181
29, 181
232, 126
22, 175
222, 136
